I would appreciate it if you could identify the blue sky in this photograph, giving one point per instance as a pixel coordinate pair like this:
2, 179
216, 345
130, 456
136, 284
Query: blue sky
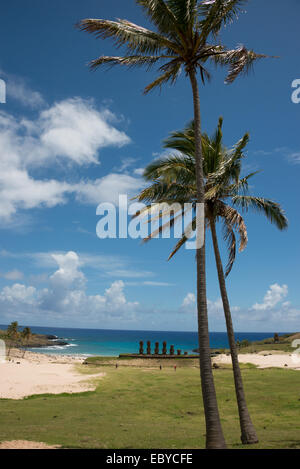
71, 139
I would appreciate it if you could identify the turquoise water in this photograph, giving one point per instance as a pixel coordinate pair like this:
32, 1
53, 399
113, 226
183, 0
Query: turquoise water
113, 342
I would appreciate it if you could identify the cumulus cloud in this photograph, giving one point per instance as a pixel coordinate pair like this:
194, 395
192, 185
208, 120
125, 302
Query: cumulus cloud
108, 265
213, 307
189, 303
65, 297
71, 131
107, 189
17, 294
274, 295
273, 310
74, 129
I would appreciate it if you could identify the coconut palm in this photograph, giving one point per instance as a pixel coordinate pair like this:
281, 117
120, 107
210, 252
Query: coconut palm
185, 37
173, 179
26, 335
12, 333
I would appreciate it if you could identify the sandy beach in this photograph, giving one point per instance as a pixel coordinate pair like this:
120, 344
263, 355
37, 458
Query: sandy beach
263, 360
39, 373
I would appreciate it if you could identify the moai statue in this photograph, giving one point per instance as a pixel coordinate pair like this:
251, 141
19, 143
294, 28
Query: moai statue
141, 352
156, 351
172, 350
148, 347
164, 350
185, 353
178, 352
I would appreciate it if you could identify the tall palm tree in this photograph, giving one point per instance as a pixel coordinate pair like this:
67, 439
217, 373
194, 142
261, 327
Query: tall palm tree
26, 335
185, 37
173, 179
12, 333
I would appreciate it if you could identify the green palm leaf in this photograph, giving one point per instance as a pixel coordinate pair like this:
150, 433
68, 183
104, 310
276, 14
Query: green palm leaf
269, 208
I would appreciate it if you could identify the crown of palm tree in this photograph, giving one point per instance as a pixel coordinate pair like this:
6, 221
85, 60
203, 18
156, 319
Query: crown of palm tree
173, 179
185, 30
12, 329
26, 333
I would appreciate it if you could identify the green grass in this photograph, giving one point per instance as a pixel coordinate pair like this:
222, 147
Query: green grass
148, 408
255, 348
267, 345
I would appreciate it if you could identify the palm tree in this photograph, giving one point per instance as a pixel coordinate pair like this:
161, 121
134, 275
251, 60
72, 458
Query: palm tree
173, 180
185, 37
26, 335
12, 333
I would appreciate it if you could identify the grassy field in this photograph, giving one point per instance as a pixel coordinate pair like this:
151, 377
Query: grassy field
267, 345
139, 407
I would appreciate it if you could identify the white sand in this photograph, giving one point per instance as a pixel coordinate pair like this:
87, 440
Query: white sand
40, 374
24, 444
263, 360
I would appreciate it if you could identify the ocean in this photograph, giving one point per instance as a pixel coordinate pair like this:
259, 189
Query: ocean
104, 342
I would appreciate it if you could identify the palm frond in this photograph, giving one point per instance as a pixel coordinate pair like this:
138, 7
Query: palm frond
240, 186
233, 218
124, 33
185, 237
204, 74
218, 13
182, 140
169, 76
178, 245
129, 61
171, 165
163, 17
239, 60
230, 239
185, 12
169, 224
270, 209
229, 167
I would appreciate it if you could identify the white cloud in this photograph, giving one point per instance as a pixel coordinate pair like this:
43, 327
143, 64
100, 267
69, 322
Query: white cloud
189, 303
108, 265
214, 308
65, 297
68, 272
74, 129
139, 171
274, 295
18, 89
126, 163
107, 189
13, 275
292, 155
18, 294
71, 131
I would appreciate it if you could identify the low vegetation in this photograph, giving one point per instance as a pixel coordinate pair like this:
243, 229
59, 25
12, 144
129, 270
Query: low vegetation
14, 337
145, 407
282, 343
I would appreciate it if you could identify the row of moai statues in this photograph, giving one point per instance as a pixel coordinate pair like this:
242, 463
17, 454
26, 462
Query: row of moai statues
156, 349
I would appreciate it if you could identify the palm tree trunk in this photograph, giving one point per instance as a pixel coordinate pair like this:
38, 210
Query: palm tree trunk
214, 433
9, 348
248, 433
25, 348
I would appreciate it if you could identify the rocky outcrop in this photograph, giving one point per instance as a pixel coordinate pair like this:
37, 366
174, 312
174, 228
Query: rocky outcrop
35, 341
